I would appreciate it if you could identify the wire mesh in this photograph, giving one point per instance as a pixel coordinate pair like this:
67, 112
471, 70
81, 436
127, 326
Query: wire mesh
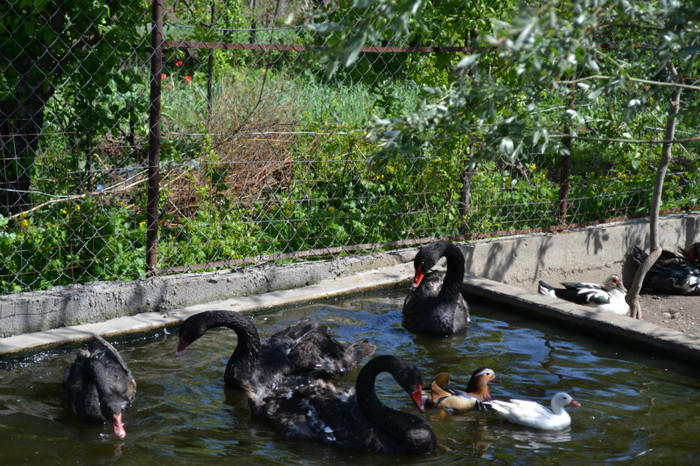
261, 157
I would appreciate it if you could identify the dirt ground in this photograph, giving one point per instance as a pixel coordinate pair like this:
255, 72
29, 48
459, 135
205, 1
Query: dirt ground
680, 313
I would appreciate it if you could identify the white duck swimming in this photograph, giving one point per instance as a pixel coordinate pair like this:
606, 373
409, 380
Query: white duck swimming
532, 414
609, 297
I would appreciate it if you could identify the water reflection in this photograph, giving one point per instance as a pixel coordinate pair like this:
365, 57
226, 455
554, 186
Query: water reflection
632, 405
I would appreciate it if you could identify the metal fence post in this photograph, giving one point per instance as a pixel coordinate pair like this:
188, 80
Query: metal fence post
154, 140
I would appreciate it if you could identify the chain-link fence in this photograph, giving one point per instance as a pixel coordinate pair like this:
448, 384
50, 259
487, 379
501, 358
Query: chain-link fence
254, 154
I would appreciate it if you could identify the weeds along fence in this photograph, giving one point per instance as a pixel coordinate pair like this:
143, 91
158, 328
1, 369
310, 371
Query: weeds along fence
151, 139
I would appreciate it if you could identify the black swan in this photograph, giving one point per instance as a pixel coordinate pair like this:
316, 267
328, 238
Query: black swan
353, 419
444, 396
609, 297
435, 305
304, 347
98, 386
670, 273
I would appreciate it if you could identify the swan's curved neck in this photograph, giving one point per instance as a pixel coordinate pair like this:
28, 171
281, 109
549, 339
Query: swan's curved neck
455, 270
248, 344
394, 423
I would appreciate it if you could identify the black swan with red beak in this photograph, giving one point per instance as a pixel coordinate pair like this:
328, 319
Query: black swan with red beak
353, 419
98, 386
304, 349
435, 306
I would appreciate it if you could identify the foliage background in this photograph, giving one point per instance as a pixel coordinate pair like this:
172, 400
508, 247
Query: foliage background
275, 155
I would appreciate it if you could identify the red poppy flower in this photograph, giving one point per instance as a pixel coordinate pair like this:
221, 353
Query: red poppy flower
188, 79
162, 76
169, 86
178, 63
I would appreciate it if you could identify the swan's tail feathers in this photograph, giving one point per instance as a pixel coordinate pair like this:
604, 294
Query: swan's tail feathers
299, 330
546, 289
357, 351
343, 357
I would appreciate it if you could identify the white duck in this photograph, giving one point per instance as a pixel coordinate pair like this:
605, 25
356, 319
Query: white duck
609, 297
532, 414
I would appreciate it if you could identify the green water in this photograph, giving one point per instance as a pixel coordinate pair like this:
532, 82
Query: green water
633, 407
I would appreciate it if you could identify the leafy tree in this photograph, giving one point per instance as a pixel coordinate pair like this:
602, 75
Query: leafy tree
520, 90
46, 43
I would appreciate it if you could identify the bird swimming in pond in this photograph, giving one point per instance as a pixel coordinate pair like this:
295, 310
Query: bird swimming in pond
304, 349
446, 397
98, 386
435, 305
532, 414
609, 297
348, 418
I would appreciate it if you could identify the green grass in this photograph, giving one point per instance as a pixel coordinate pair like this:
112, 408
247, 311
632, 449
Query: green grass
286, 167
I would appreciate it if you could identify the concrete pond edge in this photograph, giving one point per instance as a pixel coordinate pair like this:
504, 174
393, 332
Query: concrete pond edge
620, 330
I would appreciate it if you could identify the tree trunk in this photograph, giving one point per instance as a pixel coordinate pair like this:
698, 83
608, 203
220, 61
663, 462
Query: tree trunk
632, 297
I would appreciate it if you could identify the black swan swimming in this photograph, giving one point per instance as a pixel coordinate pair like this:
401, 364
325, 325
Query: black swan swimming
671, 273
98, 386
303, 348
435, 306
353, 419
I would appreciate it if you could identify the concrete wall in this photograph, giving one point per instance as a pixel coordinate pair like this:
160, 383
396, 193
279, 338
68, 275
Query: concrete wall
588, 254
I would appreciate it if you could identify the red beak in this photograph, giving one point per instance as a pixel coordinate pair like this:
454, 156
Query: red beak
118, 426
180, 348
417, 279
418, 398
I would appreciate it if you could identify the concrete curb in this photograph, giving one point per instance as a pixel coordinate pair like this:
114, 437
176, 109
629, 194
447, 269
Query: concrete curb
616, 329
619, 330
18, 345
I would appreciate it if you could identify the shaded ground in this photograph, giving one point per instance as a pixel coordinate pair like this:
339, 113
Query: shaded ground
680, 313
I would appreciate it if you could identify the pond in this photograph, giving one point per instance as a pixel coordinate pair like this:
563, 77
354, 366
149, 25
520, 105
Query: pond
633, 407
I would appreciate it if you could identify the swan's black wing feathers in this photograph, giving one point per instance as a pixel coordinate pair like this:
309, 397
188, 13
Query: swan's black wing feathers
309, 347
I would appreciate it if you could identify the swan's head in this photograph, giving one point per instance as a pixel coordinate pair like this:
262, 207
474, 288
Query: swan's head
410, 379
191, 329
422, 263
428, 256
417, 397
112, 409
